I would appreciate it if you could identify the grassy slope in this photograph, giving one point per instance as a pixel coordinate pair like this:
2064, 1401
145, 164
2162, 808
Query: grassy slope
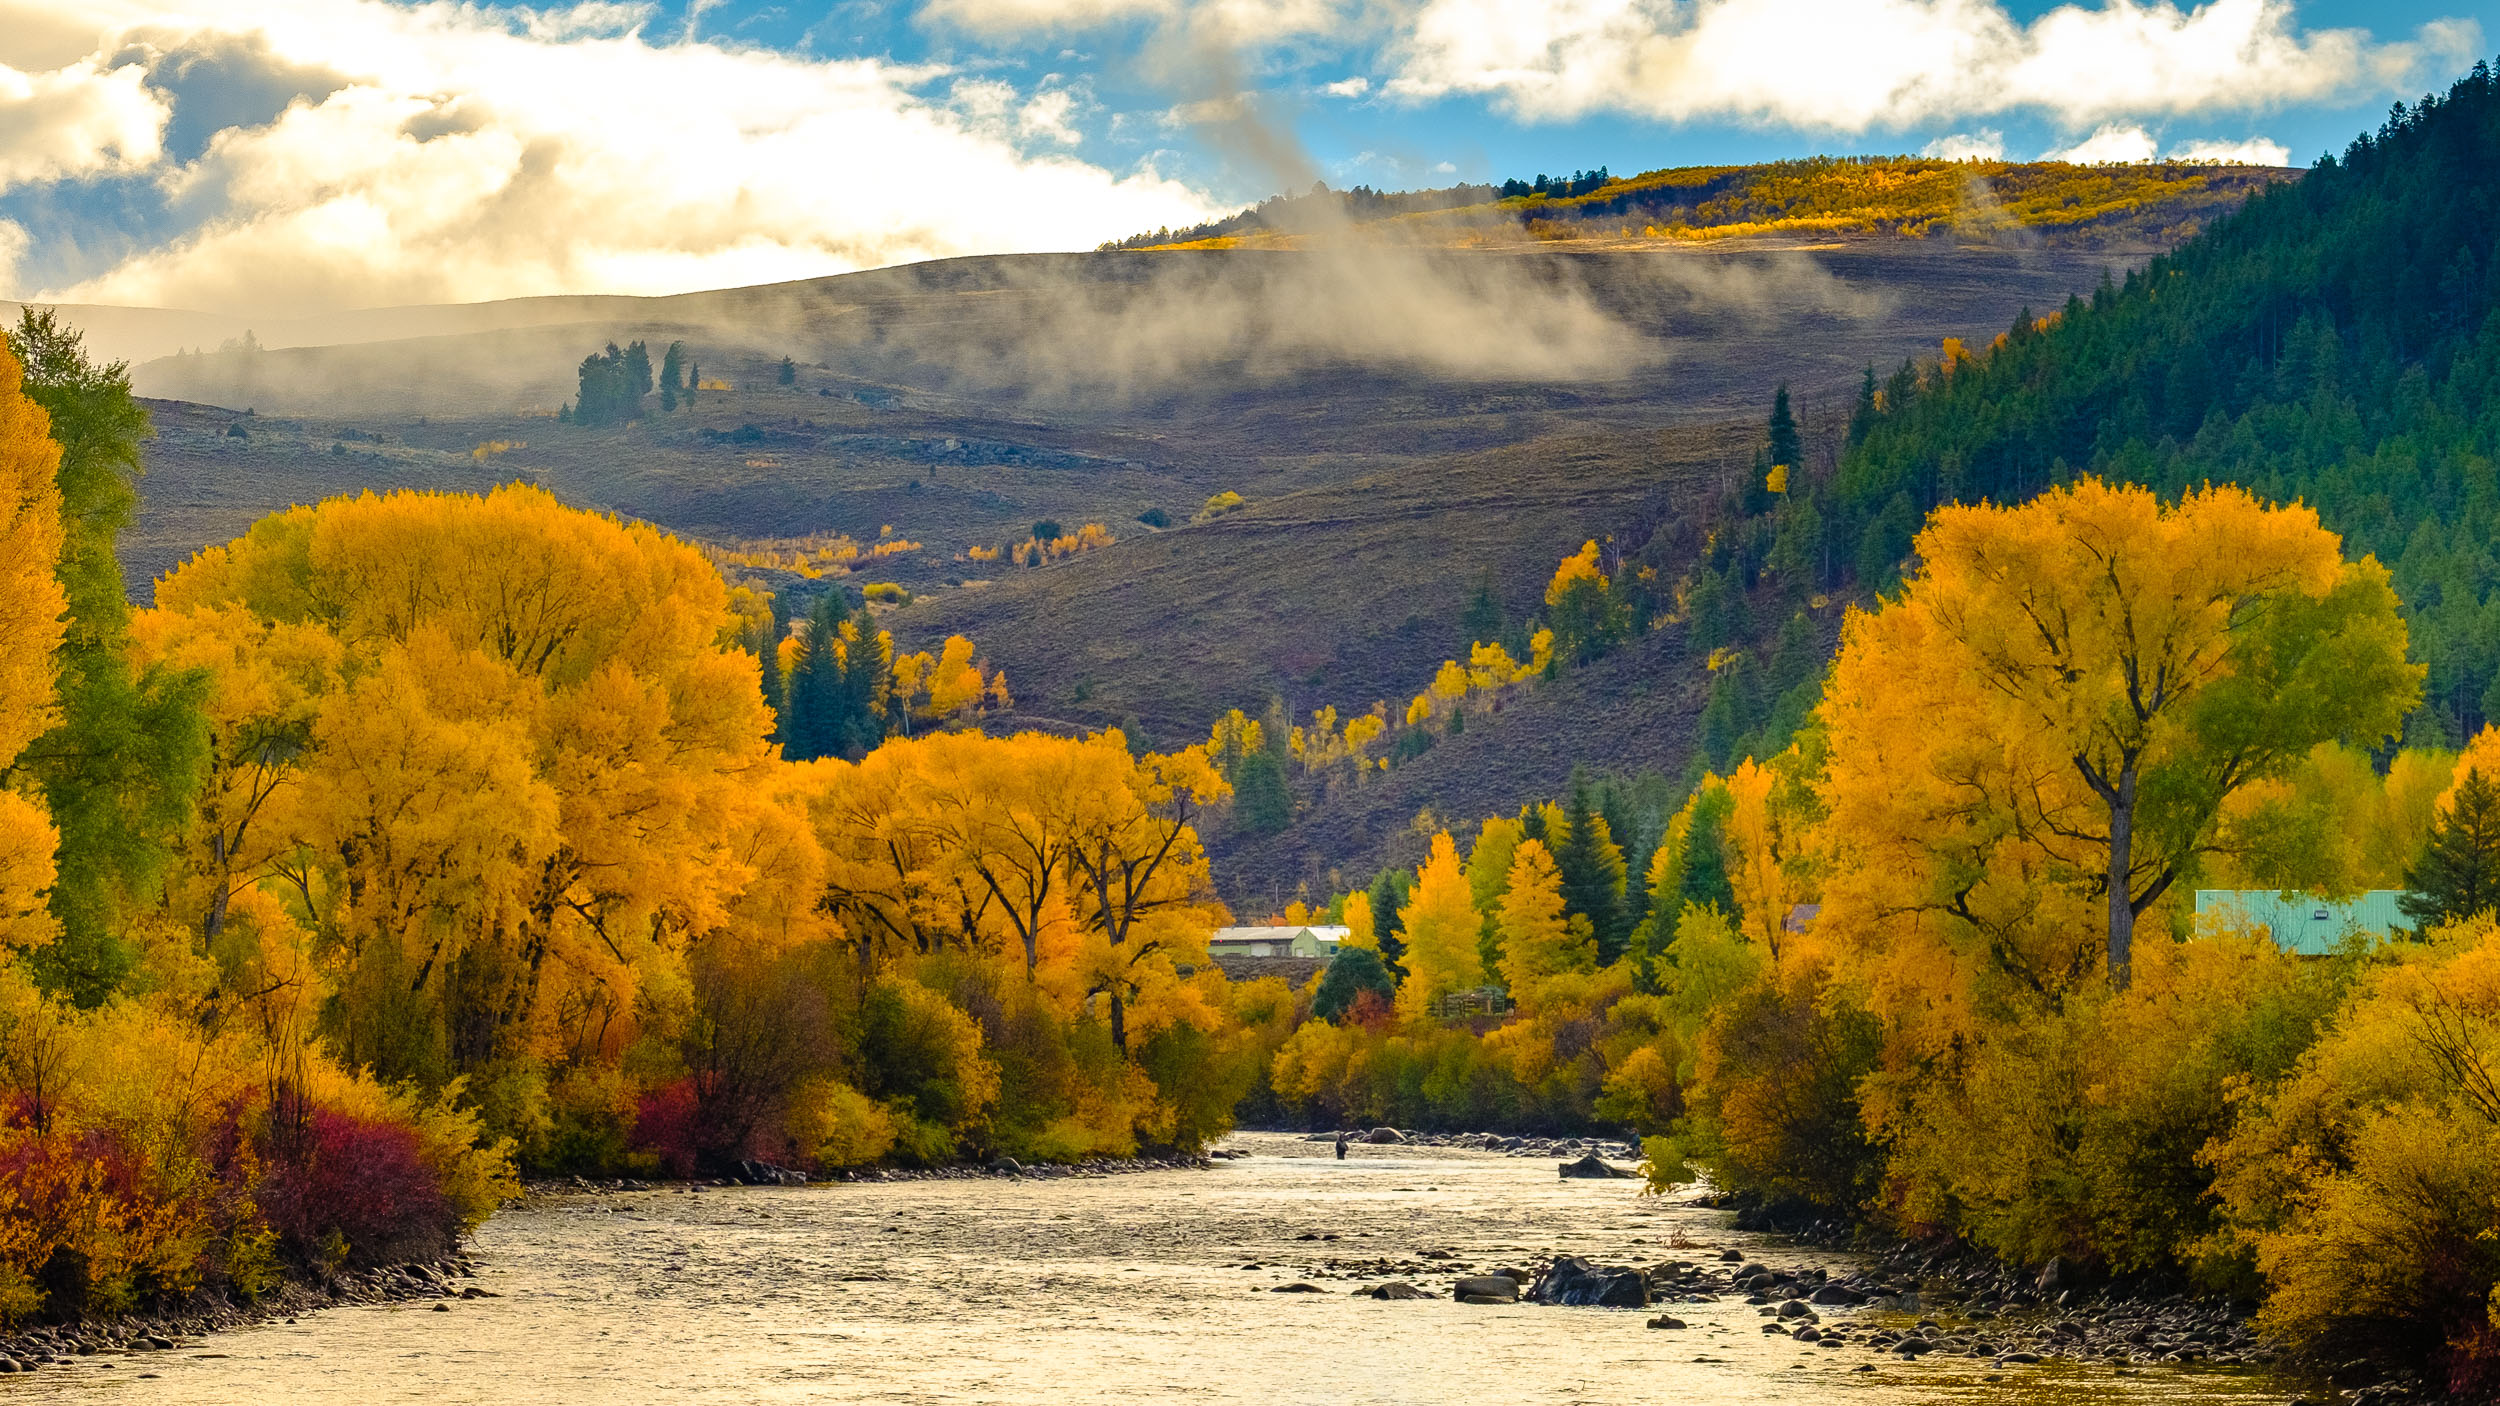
949, 402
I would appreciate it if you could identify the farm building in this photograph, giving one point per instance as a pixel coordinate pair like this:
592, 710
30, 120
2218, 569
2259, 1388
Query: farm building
2298, 922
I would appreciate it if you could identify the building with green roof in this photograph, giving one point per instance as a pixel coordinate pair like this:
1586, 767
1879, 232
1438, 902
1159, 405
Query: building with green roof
2298, 922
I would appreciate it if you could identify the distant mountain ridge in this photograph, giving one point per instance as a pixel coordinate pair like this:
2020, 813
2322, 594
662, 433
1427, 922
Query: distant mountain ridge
1985, 201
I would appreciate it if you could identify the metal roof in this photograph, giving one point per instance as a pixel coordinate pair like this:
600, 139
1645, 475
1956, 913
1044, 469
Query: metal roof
2299, 922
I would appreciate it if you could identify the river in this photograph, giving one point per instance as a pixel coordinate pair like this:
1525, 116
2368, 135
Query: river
1123, 1287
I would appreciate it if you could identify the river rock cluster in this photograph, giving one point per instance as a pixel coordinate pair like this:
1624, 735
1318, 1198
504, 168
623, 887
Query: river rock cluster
33, 1348
1609, 1149
1904, 1306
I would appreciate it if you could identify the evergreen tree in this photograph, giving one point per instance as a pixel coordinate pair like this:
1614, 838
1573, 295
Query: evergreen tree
2458, 876
1786, 447
1862, 415
1351, 972
672, 375
1388, 896
123, 767
788, 375
1592, 871
825, 706
637, 376
1484, 617
1705, 879
1715, 611
1261, 804
612, 386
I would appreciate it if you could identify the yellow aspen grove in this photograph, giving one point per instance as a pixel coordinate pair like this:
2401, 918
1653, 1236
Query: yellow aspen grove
1144, 894
1488, 874
520, 788
31, 604
2064, 696
1360, 931
1537, 942
1442, 931
1762, 853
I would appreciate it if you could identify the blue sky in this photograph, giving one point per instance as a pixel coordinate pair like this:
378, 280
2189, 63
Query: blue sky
302, 155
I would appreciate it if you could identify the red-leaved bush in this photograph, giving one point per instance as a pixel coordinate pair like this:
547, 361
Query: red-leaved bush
327, 1171
668, 1124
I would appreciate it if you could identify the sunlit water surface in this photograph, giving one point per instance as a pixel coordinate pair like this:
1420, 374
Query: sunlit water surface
1121, 1288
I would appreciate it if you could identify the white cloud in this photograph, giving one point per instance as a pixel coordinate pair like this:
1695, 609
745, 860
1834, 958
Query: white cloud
2120, 144
13, 243
1985, 144
1238, 21
2110, 145
479, 153
82, 119
2255, 151
1354, 87
1852, 65
1050, 114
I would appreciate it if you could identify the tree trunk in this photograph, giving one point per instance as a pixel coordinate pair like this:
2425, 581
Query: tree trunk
1119, 1024
2121, 882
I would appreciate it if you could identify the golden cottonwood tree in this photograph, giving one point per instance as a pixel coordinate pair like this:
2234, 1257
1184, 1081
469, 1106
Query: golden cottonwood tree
1537, 941
493, 746
2055, 711
31, 604
1442, 931
1145, 897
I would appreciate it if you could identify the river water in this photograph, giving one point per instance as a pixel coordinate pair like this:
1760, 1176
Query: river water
1127, 1288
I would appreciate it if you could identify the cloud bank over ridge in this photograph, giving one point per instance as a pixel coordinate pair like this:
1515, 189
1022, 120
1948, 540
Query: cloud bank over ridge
295, 156
440, 151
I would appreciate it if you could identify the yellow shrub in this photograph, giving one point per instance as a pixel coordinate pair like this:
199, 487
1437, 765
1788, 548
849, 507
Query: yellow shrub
835, 1125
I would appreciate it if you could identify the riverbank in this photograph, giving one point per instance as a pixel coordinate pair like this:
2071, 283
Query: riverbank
107, 1341
1000, 1289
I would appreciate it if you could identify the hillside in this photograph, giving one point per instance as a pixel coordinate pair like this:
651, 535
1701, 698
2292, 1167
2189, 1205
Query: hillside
960, 402
1403, 425
2335, 343
1971, 201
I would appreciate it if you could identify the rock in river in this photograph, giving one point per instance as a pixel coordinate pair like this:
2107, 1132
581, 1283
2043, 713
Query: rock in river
1384, 1137
1572, 1280
1397, 1290
1592, 1168
1487, 1288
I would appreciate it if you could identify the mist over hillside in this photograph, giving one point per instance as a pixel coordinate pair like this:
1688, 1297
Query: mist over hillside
1402, 425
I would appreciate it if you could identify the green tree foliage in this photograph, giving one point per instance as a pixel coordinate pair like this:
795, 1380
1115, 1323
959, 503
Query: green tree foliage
1592, 871
1484, 618
788, 374
2331, 343
673, 383
2458, 876
1261, 804
839, 682
1351, 972
121, 770
613, 384
1388, 896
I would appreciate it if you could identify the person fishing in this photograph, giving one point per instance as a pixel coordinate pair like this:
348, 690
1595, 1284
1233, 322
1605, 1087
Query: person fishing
1341, 1145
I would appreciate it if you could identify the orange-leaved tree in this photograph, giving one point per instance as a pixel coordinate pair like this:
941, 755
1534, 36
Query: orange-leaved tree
494, 749
2049, 719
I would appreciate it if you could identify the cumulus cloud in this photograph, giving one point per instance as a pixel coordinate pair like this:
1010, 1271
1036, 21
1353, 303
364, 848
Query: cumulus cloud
1982, 145
2124, 144
2254, 151
82, 119
1354, 87
2110, 145
1247, 21
471, 153
1853, 65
